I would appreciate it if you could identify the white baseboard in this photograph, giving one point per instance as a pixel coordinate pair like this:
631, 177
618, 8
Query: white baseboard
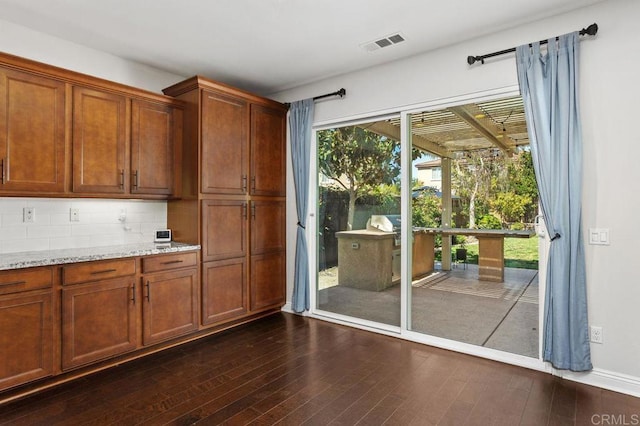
605, 379
287, 308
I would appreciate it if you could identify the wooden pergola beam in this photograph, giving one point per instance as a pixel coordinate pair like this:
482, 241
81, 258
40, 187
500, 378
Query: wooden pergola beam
476, 118
387, 129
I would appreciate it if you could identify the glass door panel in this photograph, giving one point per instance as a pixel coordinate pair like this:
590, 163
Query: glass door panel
358, 268
473, 192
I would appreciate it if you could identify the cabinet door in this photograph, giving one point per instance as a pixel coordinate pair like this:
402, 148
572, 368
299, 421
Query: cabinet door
99, 142
267, 226
170, 305
32, 133
267, 151
151, 148
98, 321
26, 338
225, 124
224, 224
224, 294
267, 280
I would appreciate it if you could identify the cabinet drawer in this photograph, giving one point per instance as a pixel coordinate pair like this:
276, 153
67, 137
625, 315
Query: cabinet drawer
170, 261
94, 271
25, 279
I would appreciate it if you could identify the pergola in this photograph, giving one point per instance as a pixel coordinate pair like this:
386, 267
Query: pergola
451, 132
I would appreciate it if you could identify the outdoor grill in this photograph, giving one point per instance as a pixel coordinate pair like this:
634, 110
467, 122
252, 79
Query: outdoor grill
386, 223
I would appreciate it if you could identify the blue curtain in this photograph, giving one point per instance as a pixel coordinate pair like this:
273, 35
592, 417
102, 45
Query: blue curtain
549, 87
300, 121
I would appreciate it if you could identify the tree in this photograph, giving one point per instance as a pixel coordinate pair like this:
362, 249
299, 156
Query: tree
358, 160
523, 181
472, 177
502, 185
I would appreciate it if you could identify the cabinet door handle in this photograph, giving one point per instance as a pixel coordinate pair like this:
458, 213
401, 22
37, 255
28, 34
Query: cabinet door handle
244, 183
121, 178
148, 292
253, 211
244, 210
103, 271
3, 162
133, 293
135, 179
169, 262
12, 283
253, 184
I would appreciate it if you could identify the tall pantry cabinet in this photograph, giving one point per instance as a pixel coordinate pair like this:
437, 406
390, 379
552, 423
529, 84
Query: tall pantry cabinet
233, 197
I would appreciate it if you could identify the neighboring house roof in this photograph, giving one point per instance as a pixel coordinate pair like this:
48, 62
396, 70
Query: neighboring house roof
429, 164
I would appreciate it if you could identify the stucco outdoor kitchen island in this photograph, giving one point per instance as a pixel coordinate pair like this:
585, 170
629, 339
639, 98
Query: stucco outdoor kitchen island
490, 250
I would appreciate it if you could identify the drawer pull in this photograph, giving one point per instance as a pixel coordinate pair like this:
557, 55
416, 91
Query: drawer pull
104, 271
172, 261
12, 283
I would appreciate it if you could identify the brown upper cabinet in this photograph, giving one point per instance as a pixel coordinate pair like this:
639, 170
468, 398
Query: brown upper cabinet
88, 137
99, 141
32, 133
242, 140
267, 151
225, 125
154, 128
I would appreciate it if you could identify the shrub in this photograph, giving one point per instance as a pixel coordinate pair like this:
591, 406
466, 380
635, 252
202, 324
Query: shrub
518, 226
489, 222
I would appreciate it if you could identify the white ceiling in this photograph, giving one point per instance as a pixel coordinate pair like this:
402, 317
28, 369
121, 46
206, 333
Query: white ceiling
270, 45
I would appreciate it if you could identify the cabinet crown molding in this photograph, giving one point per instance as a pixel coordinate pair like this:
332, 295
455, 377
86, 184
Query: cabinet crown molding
200, 82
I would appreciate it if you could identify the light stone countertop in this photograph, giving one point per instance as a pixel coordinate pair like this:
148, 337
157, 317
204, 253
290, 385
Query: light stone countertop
31, 259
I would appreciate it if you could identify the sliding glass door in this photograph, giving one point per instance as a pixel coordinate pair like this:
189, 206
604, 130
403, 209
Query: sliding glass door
474, 201
358, 220
424, 225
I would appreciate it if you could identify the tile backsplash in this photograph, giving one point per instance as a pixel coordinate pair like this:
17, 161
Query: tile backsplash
100, 223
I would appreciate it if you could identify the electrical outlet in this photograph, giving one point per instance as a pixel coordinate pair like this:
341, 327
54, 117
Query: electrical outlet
74, 215
596, 334
28, 214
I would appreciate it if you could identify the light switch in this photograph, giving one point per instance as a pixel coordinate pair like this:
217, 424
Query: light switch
599, 236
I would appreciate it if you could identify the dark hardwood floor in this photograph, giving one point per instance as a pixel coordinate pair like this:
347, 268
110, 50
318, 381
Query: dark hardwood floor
287, 369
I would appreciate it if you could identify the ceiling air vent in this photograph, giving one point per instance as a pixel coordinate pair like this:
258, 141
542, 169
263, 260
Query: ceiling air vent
386, 41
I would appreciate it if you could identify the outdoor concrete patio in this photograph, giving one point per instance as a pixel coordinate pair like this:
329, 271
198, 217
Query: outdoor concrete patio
451, 304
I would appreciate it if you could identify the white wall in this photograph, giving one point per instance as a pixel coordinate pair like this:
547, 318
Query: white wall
609, 93
99, 223
21, 41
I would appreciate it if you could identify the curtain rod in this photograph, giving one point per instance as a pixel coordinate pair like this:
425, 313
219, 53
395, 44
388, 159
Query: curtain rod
342, 92
590, 30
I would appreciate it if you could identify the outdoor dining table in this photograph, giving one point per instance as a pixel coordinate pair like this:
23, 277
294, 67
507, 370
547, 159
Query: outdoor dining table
491, 248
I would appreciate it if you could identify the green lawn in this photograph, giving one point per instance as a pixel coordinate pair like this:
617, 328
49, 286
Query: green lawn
518, 252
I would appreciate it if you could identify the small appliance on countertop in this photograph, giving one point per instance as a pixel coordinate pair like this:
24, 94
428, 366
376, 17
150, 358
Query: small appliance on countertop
163, 236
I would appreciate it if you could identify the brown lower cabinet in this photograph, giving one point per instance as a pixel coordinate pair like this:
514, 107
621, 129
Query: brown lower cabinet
224, 294
267, 271
169, 305
26, 337
98, 321
66, 321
